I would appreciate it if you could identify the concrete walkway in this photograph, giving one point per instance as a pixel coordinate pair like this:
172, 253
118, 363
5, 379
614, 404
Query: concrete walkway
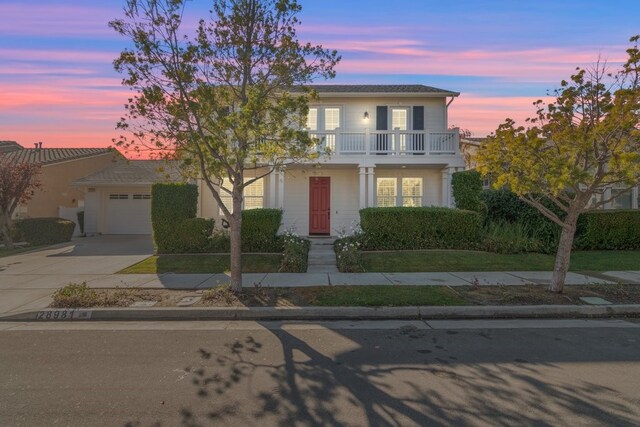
322, 257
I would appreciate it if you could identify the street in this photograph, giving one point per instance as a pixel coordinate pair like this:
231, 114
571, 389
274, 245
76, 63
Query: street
391, 373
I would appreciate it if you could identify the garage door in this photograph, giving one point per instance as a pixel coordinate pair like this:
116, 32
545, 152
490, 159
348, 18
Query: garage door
128, 213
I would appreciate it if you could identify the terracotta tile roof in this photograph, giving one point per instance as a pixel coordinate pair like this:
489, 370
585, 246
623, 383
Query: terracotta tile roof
134, 172
47, 156
6, 146
390, 89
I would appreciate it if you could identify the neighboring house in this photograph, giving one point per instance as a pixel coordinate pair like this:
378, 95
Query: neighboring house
118, 198
626, 200
60, 167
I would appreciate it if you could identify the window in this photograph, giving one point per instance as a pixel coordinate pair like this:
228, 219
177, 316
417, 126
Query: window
331, 118
386, 192
623, 198
253, 195
118, 196
399, 118
312, 119
411, 192
141, 196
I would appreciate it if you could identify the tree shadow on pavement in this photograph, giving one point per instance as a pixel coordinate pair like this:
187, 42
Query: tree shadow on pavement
395, 378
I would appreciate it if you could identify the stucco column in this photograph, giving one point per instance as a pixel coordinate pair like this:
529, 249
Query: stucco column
370, 195
272, 189
363, 187
446, 188
281, 189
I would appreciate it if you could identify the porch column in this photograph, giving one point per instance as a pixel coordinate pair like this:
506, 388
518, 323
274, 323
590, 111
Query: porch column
370, 177
272, 189
363, 187
446, 187
281, 189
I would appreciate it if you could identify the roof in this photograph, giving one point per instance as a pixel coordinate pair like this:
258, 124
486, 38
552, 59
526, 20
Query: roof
413, 90
134, 172
6, 146
48, 156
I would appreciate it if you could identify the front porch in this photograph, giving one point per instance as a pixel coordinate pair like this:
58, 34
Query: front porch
310, 209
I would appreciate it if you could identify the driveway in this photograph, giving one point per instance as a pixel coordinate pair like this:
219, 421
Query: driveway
31, 277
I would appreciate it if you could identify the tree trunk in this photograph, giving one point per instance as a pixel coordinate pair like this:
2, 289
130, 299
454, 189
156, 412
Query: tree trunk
236, 244
5, 224
563, 255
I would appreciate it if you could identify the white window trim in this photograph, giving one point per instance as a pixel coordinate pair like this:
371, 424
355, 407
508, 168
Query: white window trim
399, 196
224, 195
320, 122
409, 117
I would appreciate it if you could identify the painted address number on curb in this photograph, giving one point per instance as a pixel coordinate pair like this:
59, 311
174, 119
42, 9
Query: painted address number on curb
64, 315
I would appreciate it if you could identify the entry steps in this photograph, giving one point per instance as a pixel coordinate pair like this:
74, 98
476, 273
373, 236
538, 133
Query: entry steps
322, 258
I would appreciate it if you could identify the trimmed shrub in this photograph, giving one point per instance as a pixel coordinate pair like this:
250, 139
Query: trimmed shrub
259, 229
171, 204
466, 187
419, 228
44, 231
608, 229
194, 235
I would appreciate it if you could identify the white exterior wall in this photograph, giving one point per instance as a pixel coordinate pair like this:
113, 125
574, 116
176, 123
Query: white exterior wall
353, 110
344, 202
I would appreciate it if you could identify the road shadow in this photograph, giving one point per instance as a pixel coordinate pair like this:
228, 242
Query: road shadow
402, 377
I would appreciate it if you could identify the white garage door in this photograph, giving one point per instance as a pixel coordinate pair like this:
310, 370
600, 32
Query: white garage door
128, 213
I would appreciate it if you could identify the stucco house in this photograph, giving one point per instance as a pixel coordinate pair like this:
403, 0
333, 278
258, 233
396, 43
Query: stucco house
57, 197
382, 145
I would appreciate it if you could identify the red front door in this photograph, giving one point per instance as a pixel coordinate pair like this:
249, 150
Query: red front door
319, 208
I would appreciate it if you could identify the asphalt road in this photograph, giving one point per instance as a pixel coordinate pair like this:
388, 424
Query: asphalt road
334, 373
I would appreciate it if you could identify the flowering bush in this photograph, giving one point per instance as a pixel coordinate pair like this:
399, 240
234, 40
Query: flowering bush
295, 253
347, 248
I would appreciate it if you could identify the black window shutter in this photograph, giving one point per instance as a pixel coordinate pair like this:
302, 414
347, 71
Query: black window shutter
382, 141
418, 118
381, 117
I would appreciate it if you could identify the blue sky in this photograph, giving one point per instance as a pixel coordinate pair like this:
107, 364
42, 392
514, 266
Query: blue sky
57, 82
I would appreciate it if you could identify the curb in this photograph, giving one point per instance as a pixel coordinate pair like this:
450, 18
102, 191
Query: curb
328, 313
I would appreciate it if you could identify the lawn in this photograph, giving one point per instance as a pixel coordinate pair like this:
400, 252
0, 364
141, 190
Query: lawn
439, 260
253, 263
376, 296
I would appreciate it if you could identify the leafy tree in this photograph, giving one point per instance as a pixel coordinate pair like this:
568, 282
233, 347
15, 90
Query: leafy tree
229, 99
573, 150
18, 183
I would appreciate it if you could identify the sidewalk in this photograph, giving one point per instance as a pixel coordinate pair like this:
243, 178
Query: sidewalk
20, 293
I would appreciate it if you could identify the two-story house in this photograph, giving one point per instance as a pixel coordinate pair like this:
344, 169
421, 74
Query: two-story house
381, 145
385, 145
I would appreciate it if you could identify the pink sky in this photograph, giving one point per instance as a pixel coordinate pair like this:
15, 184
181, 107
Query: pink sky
57, 83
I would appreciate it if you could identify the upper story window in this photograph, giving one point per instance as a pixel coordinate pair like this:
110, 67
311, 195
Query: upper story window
399, 118
324, 118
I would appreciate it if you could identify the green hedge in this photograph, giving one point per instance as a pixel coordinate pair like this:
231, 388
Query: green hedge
44, 231
171, 204
504, 207
419, 228
259, 229
608, 229
466, 187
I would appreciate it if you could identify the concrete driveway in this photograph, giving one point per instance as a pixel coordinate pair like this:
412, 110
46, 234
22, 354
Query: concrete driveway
31, 277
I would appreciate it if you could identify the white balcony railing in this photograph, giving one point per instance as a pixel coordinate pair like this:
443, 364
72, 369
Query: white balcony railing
395, 142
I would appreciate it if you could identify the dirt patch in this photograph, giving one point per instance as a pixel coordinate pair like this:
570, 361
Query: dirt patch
539, 295
309, 296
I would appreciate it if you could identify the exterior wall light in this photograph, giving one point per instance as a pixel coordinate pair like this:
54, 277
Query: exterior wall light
366, 116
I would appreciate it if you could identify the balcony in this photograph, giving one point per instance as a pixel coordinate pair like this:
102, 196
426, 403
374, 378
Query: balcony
390, 143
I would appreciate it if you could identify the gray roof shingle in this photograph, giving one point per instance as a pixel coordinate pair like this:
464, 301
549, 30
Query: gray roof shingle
46, 156
390, 89
134, 172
